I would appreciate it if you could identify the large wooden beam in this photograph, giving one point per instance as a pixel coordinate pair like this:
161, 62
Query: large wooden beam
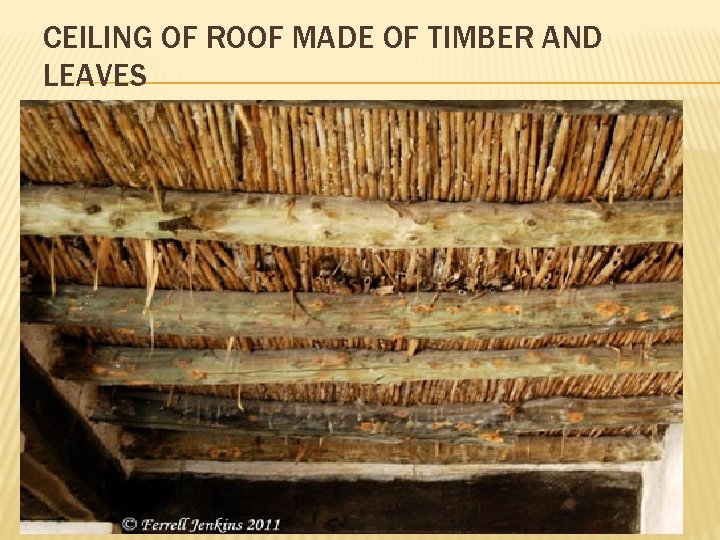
63, 463
220, 446
140, 366
651, 306
287, 220
46, 346
478, 423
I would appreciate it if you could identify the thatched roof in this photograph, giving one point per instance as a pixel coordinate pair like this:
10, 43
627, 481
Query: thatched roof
390, 154
401, 154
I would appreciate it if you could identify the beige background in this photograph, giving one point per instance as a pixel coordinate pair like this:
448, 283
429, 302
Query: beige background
675, 46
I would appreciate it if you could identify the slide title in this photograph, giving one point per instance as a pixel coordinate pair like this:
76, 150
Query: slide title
297, 37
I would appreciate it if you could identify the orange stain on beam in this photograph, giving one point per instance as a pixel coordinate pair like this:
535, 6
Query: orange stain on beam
611, 309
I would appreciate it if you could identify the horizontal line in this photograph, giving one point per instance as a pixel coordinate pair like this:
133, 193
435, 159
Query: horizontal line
427, 472
438, 83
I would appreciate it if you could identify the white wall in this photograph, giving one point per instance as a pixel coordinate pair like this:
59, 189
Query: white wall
662, 497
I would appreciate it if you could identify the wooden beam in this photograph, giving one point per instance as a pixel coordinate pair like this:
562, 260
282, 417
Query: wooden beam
288, 220
46, 346
578, 107
650, 306
531, 450
140, 366
310, 471
51, 490
63, 464
478, 423
34, 509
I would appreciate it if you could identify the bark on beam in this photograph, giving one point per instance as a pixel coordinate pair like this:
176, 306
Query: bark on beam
140, 366
530, 450
650, 306
478, 423
286, 220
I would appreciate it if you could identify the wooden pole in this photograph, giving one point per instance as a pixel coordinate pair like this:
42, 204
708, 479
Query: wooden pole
287, 220
651, 306
478, 423
141, 366
215, 446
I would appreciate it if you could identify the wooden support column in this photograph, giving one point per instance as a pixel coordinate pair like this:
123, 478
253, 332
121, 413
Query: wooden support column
651, 306
288, 220
478, 423
135, 366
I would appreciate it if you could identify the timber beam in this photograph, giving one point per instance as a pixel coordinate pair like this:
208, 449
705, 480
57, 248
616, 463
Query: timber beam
161, 446
289, 220
159, 366
64, 465
477, 423
650, 306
